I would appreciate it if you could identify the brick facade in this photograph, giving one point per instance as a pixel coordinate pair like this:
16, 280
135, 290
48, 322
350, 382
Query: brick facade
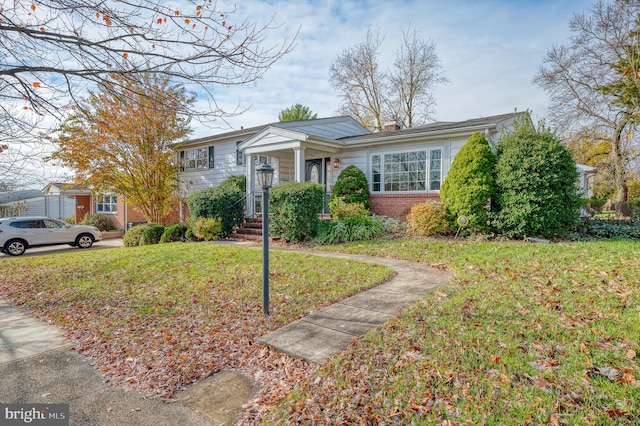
398, 205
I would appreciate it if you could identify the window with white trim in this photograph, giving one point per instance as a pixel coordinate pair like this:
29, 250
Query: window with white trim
407, 171
435, 169
197, 159
239, 155
107, 204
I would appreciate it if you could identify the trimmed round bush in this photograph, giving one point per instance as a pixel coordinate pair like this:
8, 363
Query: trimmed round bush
469, 187
536, 184
428, 218
173, 233
341, 210
208, 229
189, 235
132, 237
151, 235
352, 186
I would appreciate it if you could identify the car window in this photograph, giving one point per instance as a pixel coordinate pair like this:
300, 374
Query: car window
54, 224
33, 223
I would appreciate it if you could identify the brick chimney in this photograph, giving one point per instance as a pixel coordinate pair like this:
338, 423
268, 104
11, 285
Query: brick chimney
392, 126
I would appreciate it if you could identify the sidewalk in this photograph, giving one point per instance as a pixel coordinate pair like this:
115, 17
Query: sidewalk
38, 365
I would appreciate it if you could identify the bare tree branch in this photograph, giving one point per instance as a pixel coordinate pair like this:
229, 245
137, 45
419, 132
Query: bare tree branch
588, 82
373, 95
51, 51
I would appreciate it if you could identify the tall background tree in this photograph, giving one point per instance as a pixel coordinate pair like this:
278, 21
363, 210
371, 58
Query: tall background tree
593, 84
116, 145
362, 83
296, 112
415, 72
374, 94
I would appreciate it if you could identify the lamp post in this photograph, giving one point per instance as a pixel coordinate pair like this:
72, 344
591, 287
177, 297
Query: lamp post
265, 179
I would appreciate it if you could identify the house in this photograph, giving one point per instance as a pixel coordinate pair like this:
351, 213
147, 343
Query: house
81, 201
403, 167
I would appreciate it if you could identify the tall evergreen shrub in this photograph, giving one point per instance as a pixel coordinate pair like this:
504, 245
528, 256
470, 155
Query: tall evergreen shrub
536, 182
352, 186
223, 202
294, 210
470, 185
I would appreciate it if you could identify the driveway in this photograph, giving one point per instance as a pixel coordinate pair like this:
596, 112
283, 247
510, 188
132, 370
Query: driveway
108, 243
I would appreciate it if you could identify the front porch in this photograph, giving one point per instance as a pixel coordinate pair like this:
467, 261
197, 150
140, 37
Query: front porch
294, 156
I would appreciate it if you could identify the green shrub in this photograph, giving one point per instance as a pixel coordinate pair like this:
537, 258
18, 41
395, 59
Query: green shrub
635, 208
132, 236
151, 235
238, 181
70, 219
393, 227
190, 236
355, 228
208, 229
428, 218
469, 187
173, 233
341, 210
224, 202
100, 221
589, 229
593, 204
352, 186
294, 210
536, 182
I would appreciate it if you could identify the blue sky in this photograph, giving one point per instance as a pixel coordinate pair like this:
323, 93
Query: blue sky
489, 49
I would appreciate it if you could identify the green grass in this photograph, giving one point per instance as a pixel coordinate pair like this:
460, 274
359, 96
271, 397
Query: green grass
159, 317
526, 334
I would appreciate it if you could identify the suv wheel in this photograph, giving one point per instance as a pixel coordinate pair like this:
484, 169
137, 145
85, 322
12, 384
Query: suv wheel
15, 247
84, 241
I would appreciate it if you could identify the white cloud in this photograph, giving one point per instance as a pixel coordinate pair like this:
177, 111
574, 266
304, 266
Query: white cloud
490, 51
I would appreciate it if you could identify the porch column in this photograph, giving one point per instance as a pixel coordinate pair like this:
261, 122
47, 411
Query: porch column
250, 171
299, 164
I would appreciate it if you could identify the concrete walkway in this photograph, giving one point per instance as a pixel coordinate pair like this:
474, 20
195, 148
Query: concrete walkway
37, 364
322, 334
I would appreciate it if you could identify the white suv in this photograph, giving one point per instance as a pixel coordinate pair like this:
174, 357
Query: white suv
19, 233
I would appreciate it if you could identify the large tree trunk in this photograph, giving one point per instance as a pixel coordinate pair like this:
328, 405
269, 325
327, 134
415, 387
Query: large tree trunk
619, 166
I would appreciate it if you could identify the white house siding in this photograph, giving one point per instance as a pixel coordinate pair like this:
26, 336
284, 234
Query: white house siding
225, 165
286, 170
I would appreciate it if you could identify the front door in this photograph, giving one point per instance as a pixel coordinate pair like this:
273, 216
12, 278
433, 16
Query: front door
314, 172
317, 171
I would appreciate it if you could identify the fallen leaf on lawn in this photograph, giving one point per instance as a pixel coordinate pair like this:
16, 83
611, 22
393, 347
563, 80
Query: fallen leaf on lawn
631, 354
616, 412
608, 372
537, 365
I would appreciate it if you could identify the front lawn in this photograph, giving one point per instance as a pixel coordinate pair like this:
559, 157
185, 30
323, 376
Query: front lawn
526, 334
156, 318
